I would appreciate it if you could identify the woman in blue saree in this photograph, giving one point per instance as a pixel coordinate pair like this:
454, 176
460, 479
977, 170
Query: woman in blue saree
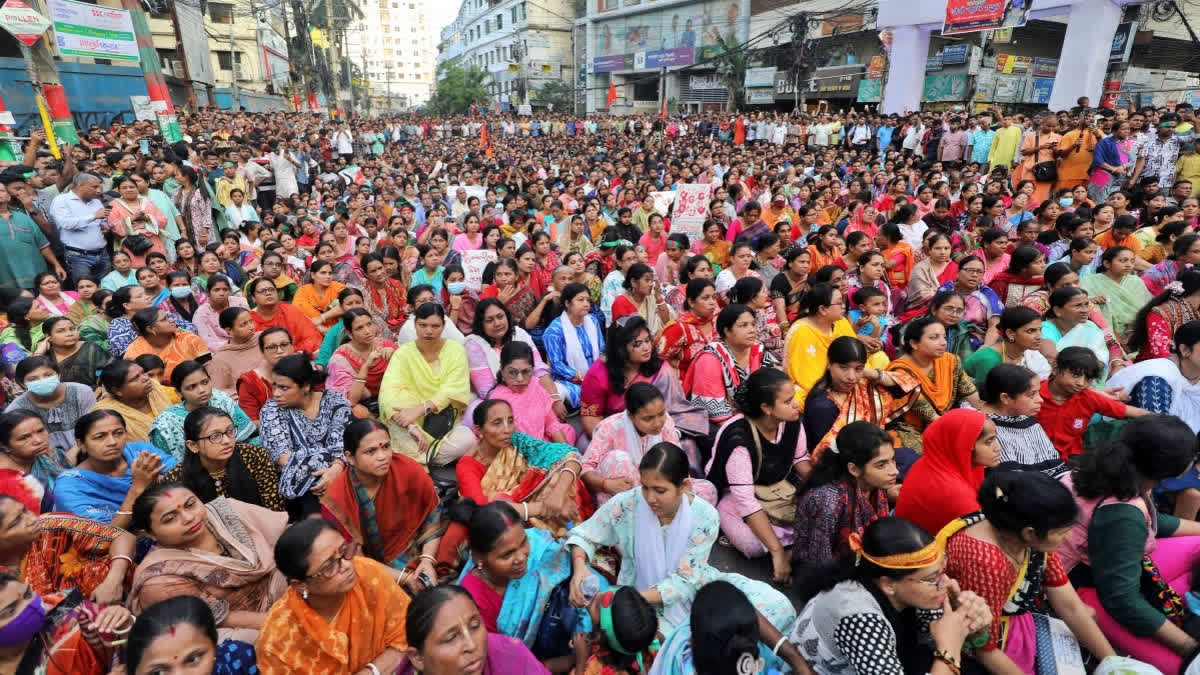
110, 474
513, 570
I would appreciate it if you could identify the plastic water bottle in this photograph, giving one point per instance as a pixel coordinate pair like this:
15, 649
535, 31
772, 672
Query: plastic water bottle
590, 587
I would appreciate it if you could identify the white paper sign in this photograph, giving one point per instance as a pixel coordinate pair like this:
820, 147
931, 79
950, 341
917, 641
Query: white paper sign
142, 109
663, 200
473, 263
691, 210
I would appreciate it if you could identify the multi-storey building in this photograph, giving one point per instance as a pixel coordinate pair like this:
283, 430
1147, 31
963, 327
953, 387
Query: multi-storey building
522, 44
394, 50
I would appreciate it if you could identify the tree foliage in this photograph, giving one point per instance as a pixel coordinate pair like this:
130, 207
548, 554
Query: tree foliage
556, 93
458, 88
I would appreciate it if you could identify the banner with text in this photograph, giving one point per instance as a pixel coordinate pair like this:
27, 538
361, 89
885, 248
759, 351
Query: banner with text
968, 16
691, 210
93, 31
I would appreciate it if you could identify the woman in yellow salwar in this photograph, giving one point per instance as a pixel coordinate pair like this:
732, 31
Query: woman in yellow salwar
341, 612
809, 339
424, 392
944, 385
133, 394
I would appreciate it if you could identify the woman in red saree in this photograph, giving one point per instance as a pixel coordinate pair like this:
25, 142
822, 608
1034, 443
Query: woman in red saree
540, 478
1023, 276
386, 503
270, 312
383, 297
519, 297
545, 260
682, 339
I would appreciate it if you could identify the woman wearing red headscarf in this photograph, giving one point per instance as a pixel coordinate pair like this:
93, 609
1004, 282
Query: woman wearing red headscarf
942, 484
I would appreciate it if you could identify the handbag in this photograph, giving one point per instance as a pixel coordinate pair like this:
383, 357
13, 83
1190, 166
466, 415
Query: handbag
1044, 172
778, 500
138, 244
558, 623
440, 423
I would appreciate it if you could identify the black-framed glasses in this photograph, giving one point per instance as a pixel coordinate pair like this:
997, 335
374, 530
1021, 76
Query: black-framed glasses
328, 568
218, 436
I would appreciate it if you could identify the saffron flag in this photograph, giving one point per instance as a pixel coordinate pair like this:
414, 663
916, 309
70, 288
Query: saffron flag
612, 94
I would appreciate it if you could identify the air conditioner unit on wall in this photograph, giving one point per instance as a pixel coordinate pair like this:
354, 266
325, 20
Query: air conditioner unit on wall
241, 71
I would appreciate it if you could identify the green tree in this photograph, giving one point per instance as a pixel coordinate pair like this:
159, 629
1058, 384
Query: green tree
556, 93
458, 88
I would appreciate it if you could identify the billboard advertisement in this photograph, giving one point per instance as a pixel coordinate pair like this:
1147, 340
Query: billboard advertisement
968, 16
678, 35
93, 31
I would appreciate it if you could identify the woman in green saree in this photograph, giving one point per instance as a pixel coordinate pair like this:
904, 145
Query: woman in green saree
94, 328
1118, 292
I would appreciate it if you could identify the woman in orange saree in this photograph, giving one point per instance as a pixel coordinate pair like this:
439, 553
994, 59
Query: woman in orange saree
943, 382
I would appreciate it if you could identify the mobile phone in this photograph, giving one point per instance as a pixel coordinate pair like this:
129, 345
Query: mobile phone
144, 145
424, 578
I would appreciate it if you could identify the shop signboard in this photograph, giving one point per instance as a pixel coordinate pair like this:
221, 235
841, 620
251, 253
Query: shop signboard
1044, 67
760, 95
1122, 42
785, 85
933, 63
1011, 63
759, 77
1039, 89
23, 22
870, 91
667, 58
93, 31
837, 81
875, 70
968, 16
1009, 89
705, 82
612, 63
955, 54
945, 87
985, 85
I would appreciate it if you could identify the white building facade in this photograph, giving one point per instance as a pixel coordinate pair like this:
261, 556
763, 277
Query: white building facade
521, 44
394, 51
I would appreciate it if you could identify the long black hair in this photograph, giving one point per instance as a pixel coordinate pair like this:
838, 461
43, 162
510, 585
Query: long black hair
884, 537
1189, 279
724, 629
857, 443
238, 482
620, 336
1149, 448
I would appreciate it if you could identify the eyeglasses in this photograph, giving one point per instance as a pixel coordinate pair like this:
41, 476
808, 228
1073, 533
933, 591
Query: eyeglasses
953, 310
330, 567
217, 437
277, 348
515, 372
937, 582
972, 270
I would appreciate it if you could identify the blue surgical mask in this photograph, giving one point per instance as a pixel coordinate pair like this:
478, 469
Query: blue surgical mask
44, 386
181, 292
456, 287
1065, 202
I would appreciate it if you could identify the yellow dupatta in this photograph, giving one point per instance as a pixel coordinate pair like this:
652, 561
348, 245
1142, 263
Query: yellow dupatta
137, 423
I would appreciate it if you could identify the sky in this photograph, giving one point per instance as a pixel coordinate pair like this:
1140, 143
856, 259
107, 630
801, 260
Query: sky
444, 12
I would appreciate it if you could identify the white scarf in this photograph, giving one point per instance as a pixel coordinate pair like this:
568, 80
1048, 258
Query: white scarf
633, 439
657, 557
1185, 396
491, 353
575, 356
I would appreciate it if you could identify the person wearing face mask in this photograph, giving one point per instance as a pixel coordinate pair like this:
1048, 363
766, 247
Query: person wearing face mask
72, 636
58, 404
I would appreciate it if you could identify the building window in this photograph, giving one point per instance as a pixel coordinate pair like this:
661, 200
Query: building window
224, 62
499, 21
522, 8
220, 13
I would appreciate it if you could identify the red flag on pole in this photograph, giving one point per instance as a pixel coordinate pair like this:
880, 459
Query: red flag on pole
612, 94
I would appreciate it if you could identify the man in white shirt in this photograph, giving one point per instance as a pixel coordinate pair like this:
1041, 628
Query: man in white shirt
343, 141
912, 138
283, 164
459, 208
81, 219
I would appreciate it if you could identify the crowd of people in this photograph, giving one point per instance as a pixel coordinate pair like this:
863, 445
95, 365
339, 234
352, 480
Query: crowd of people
410, 395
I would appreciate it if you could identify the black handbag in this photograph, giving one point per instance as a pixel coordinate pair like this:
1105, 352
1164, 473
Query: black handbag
440, 423
138, 244
1044, 172
557, 628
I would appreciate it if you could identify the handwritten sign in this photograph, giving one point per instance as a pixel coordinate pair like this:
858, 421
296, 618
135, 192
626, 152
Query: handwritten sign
691, 210
663, 200
473, 263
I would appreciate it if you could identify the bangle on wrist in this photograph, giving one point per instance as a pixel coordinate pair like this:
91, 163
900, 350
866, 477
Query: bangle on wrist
123, 513
373, 668
775, 649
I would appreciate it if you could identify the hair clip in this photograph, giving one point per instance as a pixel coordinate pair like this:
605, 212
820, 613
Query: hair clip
1000, 494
